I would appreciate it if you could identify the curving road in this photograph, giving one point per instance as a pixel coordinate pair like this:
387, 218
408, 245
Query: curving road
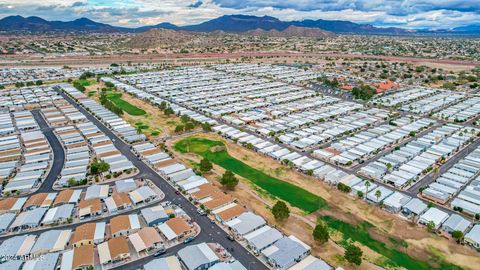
210, 232
58, 153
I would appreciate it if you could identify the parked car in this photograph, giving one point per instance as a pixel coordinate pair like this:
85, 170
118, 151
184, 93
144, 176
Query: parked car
230, 237
160, 252
188, 240
201, 211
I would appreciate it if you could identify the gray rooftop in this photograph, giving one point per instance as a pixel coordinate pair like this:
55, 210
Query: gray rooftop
287, 250
196, 255
416, 206
246, 222
125, 185
158, 264
29, 218
457, 223
5, 220
46, 240
11, 265
263, 237
236, 265
12, 245
154, 213
46, 262
473, 234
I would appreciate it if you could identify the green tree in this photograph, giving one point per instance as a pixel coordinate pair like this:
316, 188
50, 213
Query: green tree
457, 235
163, 105
320, 233
367, 185
280, 210
179, 128
189, 126
97, 167
39, 82
79, 86
389, 166
205, 165
72, 182
360, 194
168, 111
229, 180
109, 84
364, 92
86, 75
449, 86
206, 127
344, 188
431, 226
353, 254
378, 193
184, 118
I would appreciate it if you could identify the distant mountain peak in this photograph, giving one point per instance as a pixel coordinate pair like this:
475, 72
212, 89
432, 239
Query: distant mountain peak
236, 23
292, 31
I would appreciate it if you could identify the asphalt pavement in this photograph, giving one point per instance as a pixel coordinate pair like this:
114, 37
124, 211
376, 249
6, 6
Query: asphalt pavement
210, 232
58, 153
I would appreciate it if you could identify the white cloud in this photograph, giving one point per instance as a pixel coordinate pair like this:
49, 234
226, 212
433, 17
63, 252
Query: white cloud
403, 13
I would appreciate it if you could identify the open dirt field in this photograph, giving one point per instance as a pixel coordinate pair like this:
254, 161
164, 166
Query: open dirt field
10, 61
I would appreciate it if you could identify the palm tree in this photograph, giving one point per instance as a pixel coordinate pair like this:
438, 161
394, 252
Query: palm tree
367, 185
378, 193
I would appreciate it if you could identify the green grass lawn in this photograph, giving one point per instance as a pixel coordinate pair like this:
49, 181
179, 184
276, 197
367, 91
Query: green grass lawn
116, 98
395, 258
87, 82
292, 194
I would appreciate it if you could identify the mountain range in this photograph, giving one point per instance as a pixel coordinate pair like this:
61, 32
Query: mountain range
226, 23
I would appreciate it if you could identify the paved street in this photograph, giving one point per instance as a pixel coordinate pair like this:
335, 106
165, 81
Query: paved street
58, 153
415, 189
210, 232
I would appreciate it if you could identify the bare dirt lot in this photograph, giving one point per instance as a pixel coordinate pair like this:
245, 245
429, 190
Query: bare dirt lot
10, 61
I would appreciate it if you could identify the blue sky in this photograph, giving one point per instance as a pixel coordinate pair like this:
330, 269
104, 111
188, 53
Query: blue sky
402, 13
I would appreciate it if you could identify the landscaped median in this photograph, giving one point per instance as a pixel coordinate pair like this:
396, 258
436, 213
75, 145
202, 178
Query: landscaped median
290, 193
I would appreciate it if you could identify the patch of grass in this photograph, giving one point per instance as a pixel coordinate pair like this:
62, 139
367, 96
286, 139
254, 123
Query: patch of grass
398, 242
279, 171
116, 98
155, 133
87, 82
395, 258
91, 93
292, 194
